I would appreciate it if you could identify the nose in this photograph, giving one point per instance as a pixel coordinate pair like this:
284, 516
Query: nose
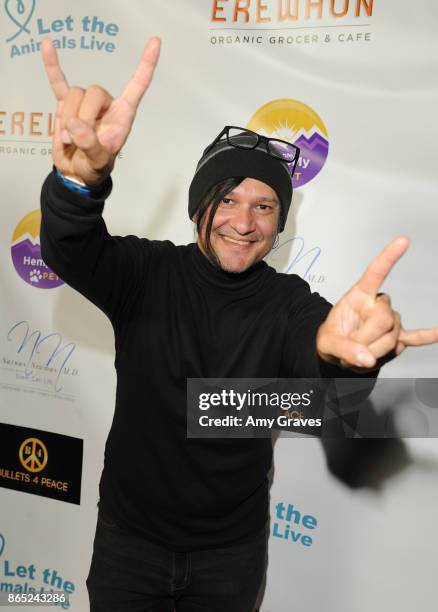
243, 221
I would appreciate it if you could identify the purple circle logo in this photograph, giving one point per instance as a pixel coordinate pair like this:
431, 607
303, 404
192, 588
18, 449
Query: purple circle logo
297, 123
26, 254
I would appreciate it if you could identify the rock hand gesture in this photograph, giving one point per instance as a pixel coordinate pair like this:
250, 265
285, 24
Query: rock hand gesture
362, 331
91, 126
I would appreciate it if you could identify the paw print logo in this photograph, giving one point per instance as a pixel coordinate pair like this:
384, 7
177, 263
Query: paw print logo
35, 276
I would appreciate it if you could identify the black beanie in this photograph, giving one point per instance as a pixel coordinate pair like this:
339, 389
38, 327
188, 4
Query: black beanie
225, 161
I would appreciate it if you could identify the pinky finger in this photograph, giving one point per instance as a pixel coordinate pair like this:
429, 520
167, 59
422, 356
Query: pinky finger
419, 337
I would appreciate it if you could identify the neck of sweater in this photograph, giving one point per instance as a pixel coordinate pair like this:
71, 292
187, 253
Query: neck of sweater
240, 284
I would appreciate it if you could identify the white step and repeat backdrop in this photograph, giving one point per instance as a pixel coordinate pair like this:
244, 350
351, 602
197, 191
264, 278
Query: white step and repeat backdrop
354, 83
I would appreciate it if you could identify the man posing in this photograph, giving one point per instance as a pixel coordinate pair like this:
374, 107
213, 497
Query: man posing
182, 522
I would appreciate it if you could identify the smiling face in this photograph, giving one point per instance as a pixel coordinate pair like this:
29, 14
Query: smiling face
244, 227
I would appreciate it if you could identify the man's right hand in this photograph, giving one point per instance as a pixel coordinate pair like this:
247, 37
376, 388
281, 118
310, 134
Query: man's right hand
91, 126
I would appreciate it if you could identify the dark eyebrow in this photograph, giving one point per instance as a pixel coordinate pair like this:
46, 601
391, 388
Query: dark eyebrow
266, 199
262, 199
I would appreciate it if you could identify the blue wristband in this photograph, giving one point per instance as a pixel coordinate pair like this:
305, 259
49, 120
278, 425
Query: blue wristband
83, 189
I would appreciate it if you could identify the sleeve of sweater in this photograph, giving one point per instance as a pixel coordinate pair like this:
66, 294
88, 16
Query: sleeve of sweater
108, 270
300, 358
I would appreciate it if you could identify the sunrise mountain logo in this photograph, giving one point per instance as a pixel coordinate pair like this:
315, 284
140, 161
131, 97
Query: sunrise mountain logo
297, 123
26, 253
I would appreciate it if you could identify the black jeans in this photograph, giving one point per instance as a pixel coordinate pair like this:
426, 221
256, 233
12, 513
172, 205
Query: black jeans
131, 574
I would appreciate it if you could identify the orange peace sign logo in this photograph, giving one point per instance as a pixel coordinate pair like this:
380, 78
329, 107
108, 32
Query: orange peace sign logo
33, 455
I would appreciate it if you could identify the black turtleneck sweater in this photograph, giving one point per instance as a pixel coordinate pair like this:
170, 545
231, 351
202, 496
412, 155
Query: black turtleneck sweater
176, 316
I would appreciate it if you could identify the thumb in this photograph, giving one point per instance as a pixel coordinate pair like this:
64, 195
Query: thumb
84, 137
354, 353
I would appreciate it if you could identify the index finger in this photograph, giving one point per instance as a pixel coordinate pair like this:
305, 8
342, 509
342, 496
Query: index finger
55, 75
381, 265
138, 84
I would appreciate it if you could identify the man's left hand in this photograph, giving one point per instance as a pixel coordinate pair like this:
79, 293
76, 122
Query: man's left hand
362, 331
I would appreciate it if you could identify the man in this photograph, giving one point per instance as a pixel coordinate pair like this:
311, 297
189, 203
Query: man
182, 522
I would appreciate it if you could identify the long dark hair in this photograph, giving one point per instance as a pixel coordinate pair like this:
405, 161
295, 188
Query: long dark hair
214, 197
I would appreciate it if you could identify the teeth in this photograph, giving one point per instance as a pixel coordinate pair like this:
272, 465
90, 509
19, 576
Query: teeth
236, 241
